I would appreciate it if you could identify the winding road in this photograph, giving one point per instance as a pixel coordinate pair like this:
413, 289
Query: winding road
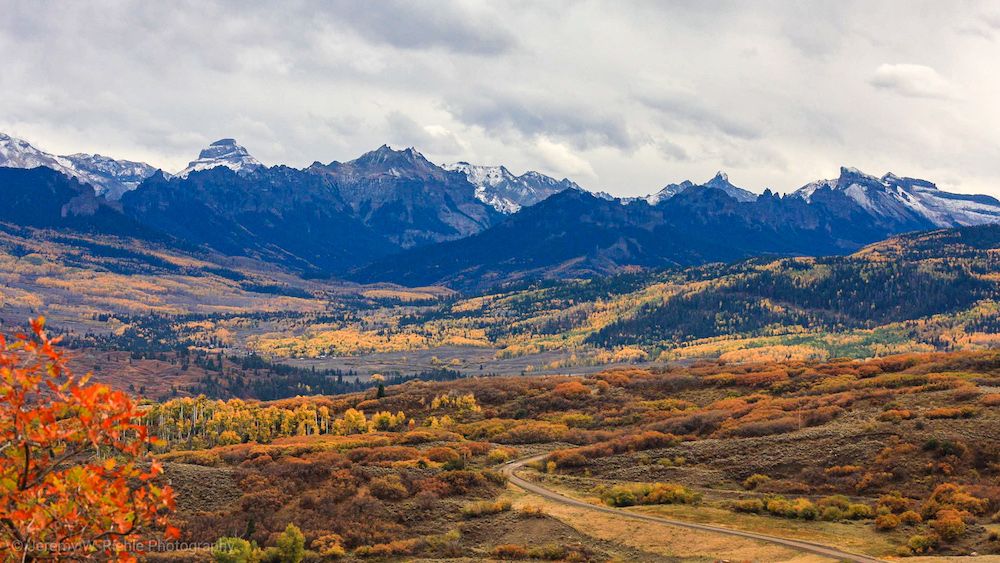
510, 470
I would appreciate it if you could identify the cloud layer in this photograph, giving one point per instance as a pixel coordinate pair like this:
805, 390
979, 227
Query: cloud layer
623, 97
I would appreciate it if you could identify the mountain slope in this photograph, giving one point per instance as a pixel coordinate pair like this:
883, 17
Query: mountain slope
921, 291
42, 197
901, 199
507, 193
720, 182
575, 234
108, 176
408, 198
112, 177
903, 278
278, 214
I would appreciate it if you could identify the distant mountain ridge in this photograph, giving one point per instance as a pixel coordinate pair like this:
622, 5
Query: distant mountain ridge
574, 234
908, 199
393, 215
720, 182
108, 176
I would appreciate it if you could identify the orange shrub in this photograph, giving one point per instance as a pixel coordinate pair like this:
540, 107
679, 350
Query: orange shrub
887, 522
383, 454
442, 454
951, 412
571, 390
910, 518
895, 503
895, 415
952, 496
391, 549
616, 378
842, 470
388, 487
948, 524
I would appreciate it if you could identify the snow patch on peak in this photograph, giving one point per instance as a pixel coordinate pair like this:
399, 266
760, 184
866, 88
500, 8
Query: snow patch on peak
224, 152
114, 177
668, 191
499, 188
899, 198
720, 182
108, 176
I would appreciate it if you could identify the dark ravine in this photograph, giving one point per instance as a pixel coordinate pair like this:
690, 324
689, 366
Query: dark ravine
510, 470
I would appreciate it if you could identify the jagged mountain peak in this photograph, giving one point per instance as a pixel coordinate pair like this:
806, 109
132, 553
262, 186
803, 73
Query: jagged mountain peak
908, 200
224, 152
719, 182
719, 178
506, 192
386, 154
108, 176
113, 177
18, 153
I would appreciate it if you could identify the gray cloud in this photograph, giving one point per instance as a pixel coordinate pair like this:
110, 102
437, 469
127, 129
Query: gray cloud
436, 139
410, 25
624, 97
532, 114
688, 111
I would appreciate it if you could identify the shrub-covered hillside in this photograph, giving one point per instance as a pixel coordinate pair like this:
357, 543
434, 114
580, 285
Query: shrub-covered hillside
888, 449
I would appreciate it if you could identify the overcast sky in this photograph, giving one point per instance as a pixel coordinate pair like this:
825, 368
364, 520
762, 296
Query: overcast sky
620, 96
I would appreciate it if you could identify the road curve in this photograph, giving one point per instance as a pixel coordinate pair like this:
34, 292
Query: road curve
510, 470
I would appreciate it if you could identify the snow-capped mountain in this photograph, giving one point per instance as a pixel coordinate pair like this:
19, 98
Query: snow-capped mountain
720, 182
109, 177
499, 188
668, 191
898, 198
112, 177
18, 153
224, 152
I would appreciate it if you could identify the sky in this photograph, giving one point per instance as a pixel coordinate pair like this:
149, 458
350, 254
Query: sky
619, 96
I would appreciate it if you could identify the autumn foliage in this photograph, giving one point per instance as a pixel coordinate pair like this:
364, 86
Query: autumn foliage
73, 478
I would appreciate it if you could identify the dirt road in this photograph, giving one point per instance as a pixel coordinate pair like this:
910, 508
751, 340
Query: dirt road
510, 470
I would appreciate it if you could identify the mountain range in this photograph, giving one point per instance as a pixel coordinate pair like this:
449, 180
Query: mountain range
392, 215
110, 177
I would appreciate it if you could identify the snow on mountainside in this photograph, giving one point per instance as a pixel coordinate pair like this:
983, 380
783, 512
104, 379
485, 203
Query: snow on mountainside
18, 153
108, 176
499, 188
899, 198
668, 191
720, 182
115, 177
889, 199
224, 152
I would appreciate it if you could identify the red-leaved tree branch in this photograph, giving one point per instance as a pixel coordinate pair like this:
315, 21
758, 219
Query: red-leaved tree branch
75, 477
